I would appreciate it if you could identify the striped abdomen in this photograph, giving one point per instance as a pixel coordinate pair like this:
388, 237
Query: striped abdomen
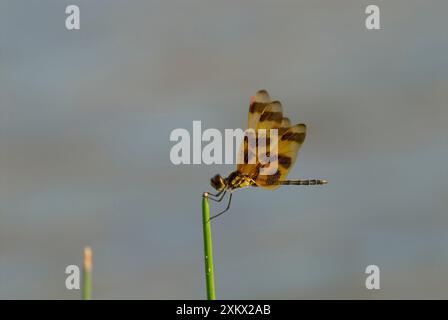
302, 182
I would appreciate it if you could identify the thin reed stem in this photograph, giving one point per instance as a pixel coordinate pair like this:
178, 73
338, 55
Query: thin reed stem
86, 290
208, 252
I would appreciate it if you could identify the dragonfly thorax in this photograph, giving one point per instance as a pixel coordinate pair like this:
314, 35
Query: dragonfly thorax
238, 180
233, 181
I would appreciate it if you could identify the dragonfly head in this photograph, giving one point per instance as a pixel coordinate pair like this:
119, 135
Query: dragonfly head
217, 182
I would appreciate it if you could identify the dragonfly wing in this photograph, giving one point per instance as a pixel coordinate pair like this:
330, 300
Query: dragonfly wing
267, 114
263, 114
289, 143
257, 104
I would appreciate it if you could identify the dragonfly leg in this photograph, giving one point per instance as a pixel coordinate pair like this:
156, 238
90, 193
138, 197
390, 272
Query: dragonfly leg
216, 195
220, 198
225, 210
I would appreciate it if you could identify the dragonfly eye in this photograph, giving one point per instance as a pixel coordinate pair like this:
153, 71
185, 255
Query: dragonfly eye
217, 182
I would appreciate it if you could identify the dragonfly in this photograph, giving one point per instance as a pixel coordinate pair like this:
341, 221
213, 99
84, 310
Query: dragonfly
264, 114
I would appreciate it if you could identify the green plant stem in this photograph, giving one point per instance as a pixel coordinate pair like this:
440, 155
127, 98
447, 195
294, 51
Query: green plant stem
86, 290
208, 252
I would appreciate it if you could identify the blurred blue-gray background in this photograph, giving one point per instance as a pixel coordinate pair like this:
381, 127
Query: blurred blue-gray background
85, 118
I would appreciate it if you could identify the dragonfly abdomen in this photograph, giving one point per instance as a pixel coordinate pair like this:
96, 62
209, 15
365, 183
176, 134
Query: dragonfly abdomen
303, 182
